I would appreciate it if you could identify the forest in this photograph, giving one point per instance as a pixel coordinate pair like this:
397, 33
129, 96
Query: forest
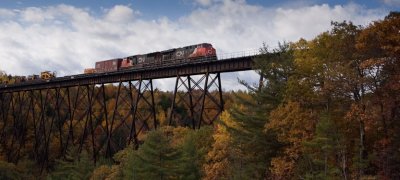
326, 108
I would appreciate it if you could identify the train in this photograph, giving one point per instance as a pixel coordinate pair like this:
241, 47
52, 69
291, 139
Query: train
44, 75
170, 57
203, 51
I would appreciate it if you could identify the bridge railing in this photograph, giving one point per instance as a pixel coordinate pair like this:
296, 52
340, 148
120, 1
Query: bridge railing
238, 54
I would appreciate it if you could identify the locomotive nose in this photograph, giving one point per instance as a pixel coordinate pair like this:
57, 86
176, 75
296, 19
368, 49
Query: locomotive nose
210, 51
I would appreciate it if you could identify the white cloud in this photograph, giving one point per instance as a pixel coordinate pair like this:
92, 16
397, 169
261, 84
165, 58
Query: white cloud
392, 2
121, 14
34, 15
6, 13
68, 39
204, 2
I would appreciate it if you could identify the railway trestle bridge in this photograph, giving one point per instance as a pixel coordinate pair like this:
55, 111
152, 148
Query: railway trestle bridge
78, 110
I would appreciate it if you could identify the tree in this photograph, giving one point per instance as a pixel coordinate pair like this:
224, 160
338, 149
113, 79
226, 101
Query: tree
219, 160
194, 150
156, 158
76, 166
254, 147
379, 44
323, 152
294, 126
102, 172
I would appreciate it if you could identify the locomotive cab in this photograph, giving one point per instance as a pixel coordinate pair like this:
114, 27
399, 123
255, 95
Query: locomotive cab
128, 62
203, 50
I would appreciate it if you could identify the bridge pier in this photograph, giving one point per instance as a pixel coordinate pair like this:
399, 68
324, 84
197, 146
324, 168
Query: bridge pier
193, 96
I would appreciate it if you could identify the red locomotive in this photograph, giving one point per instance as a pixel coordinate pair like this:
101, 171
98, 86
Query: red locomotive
203, 51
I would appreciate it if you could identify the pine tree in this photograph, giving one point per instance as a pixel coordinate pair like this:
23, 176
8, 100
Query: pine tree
255, 147
323, 153
194, 148
76, 166
156, 158
190, 164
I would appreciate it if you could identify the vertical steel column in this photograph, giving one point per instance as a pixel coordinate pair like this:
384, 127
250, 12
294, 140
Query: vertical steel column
213, 99
153, 107
105, 113
5, 113
59, 123
173, 100
91, 125
191, 103
82, 141
35, 121
24, 127
1, 111
21, 125
220, 92
47, 137
71, 113
88, 121
2, 115
17, 128
203, 99
147, 108
9, 147
133, 114
42, 129
108, 151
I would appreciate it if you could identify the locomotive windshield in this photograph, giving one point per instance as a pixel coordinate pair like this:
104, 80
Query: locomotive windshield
206, 45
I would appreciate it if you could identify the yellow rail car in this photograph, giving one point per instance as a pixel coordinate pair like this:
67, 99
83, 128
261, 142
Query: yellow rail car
46, 75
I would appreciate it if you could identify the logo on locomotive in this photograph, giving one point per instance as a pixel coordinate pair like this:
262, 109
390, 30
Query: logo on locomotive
140, 60
179, 53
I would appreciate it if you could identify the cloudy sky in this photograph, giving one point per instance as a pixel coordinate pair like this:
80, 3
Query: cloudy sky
68, 36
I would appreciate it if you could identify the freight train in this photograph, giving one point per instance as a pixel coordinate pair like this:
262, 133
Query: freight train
45, 75
204, 51
175, 56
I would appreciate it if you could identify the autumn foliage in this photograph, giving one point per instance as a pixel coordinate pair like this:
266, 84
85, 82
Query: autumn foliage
325, 108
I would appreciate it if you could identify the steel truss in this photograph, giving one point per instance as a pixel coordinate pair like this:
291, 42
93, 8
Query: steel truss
101, 119
201, 99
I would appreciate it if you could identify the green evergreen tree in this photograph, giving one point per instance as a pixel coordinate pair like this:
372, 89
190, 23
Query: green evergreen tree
129, 164
256, 147
191, 168
323, 152
75, 166
155, 159
194, 149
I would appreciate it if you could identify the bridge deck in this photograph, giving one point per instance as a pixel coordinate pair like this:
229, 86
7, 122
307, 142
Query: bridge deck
194, 68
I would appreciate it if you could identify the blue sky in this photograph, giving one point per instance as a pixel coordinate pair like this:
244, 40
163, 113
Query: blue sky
176, 8
68, 36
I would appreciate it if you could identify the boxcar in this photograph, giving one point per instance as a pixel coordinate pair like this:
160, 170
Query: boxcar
108, 65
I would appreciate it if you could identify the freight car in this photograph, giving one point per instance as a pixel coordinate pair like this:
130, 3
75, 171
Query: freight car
45, 75
187, 54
